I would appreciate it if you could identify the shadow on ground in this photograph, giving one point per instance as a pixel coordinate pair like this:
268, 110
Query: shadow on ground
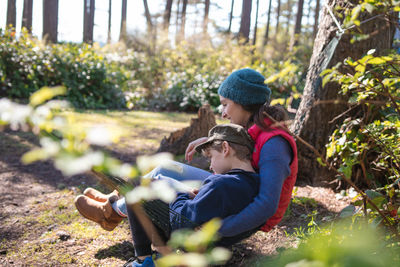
123, 251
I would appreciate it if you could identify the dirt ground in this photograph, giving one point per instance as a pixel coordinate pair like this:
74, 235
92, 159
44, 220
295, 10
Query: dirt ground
39, 225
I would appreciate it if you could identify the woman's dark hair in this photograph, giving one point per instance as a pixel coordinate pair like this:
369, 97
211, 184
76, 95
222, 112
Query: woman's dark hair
277, 114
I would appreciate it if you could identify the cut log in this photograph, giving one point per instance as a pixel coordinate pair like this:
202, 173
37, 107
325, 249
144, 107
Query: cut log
177, 142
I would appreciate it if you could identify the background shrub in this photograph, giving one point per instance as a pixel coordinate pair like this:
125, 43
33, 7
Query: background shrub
26, 65
188, 76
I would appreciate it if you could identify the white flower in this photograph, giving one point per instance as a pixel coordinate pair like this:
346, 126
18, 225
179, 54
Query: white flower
74, 165
14, 113
147, 163
158, 189
99, 135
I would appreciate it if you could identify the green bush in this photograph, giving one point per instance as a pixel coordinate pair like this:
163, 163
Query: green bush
365, 147
188, 76
27, 64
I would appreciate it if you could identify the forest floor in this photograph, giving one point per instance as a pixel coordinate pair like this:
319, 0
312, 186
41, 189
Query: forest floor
39, 225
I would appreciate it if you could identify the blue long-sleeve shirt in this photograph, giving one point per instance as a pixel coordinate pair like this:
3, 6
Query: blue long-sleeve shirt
221, 195
274, 166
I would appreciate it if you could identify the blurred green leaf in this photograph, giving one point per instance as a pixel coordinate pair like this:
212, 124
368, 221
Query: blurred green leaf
347, 211
46, 93
373, 194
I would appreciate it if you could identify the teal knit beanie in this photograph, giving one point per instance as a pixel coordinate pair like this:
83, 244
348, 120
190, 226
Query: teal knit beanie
245, 87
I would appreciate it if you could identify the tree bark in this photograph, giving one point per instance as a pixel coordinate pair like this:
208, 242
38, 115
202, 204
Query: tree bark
11, 14
167, 15
178, 141
206, 12
27, 15
148, 17
316, 18
318, 107
297, 27
289, 15
122, 34
244, 29
88, 20
266, 36
109, 22
309, 8
183, 20
231, 16
278, 13
50, 20
256, 24
177, 39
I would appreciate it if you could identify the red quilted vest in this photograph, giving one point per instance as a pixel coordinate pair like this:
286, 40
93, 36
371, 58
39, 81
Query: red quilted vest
260, 137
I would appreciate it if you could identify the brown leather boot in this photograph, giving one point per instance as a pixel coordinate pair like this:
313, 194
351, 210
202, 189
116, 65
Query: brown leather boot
99, 212
99, 196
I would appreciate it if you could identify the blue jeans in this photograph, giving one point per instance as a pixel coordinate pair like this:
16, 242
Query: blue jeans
173, 172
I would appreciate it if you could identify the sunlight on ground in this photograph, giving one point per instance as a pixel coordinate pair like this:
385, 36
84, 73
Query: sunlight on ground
139, 130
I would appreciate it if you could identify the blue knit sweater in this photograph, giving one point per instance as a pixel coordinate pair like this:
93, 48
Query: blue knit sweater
221, 195
274, 166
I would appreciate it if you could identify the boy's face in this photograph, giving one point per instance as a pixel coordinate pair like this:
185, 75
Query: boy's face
219, 163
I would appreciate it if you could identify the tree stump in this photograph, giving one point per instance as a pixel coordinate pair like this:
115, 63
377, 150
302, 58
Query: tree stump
177, 142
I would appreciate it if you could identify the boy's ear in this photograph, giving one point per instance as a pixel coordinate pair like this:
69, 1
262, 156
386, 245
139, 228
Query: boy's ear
225, 148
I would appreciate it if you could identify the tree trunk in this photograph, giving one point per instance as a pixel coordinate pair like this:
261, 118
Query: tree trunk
230, 17
206, 11
177, 39
178, 141
244, 29
289, 16
148, 17
317, 108
316, 18
266, 36
255, 25
88, 20
167, 15
109, 22
27, 15
183, 19
11, 14
122, 34
297, 27
50, 20
278, 13
309, 10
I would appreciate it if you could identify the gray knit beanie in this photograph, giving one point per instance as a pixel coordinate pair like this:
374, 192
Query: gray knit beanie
245, 87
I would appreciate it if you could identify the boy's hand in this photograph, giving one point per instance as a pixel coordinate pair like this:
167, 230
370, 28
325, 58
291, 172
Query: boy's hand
192, 193
190, 148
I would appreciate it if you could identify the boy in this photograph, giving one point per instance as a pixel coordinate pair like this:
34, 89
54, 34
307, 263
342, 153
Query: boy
233, 185
231, 188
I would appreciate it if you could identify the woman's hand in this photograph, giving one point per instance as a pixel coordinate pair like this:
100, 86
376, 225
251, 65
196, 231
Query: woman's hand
190, 148
192, 193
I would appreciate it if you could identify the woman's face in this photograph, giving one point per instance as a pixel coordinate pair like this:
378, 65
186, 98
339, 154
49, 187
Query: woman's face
234, 112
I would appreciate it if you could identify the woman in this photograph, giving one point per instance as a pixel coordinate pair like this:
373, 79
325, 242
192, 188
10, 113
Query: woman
245, 101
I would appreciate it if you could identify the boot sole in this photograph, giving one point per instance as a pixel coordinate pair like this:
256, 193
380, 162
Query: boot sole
93, 219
